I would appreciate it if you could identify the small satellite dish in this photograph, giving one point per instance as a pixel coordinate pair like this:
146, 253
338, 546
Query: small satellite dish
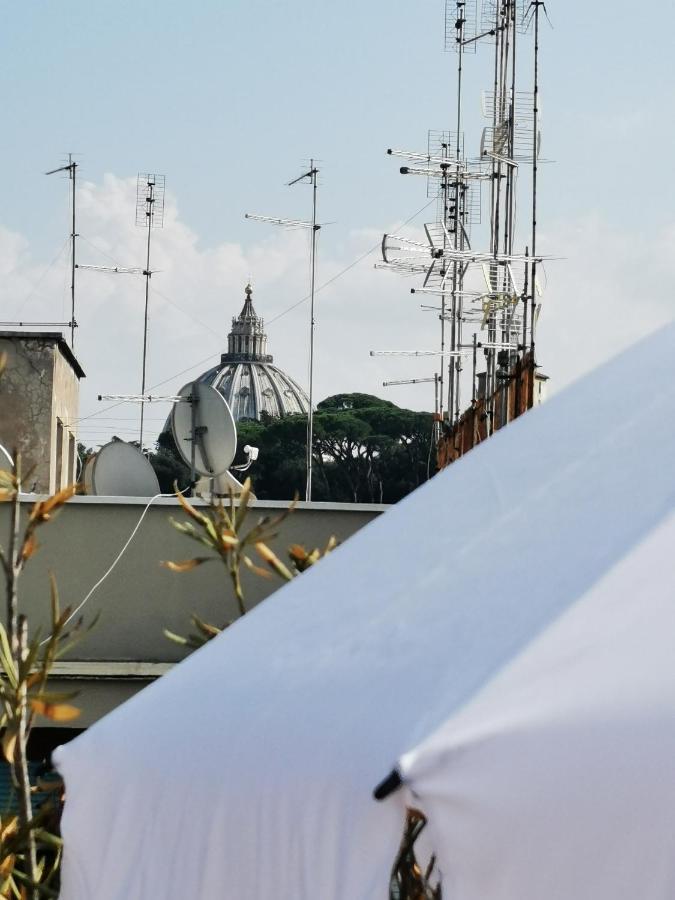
5, 459
215, 438
121, 470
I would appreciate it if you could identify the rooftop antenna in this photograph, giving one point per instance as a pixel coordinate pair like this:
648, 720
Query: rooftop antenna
308, 177
149, 215
534, 8
448, 263
71, 169
435, 380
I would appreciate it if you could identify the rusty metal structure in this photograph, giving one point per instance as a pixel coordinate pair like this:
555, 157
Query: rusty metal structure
476, 259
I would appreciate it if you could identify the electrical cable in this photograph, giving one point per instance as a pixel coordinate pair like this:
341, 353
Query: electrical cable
119, 556
347, 268
42, 276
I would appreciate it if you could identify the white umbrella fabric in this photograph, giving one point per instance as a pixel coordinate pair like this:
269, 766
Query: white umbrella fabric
496, 604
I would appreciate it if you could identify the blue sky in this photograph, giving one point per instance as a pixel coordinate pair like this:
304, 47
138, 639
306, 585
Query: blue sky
229, 99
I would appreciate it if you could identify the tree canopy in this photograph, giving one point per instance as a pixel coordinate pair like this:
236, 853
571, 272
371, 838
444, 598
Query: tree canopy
366, 450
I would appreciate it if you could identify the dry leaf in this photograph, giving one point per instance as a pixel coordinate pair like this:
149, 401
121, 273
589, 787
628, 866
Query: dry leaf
43, 508
190, 510
273, 561
9, 743
29, 547
186, 565
57, 712
7, 865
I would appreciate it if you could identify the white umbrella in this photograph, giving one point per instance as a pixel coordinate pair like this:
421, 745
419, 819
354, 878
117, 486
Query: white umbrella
433, 637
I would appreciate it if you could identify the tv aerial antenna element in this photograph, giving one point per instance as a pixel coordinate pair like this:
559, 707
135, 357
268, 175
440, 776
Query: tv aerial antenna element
308, 177
149, 215
435, 380
71, 169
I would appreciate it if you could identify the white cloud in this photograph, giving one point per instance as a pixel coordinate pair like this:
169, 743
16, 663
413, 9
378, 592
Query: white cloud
609, 288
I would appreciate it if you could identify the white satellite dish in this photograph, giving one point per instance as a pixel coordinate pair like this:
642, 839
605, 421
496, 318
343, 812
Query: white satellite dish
5, 458
208, 419
121, 470
87, 471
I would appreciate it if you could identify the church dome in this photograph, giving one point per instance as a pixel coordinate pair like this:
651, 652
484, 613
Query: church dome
246, 376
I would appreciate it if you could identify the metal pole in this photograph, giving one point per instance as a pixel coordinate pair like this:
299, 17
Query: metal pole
525, 290
535, 169
145, 315
453, 387
475, 365
444, 196
72, 167
194, 400
310, 417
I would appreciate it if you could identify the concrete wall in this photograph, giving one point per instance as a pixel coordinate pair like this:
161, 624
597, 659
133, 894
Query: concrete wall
26, 406
140, 598
65, 410
39, 397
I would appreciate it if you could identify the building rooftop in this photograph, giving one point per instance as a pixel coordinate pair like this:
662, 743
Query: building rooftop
55, 337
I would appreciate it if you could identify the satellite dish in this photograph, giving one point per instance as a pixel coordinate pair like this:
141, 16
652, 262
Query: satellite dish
121, 470
87, 473
215, 438
5, 459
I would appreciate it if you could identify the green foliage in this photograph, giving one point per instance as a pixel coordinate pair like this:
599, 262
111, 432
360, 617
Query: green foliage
168, 465
365, 450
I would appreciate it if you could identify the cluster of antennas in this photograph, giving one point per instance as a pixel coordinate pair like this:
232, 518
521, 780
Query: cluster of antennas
488, 286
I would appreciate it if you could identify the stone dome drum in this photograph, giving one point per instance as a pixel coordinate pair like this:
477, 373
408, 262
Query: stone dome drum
246, 376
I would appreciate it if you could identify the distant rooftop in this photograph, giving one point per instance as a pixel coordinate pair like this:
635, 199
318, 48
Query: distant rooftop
48, 337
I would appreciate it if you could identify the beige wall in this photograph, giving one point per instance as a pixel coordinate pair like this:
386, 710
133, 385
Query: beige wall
140, 598
65, 410
38, 390
26, 406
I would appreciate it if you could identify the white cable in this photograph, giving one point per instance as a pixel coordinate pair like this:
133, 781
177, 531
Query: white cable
116, 560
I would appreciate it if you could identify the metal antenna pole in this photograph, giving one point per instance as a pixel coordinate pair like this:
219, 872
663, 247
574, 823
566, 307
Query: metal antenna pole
71, 169
310, 417
145, 314
453, 379
315, 227
149, 214
535, 170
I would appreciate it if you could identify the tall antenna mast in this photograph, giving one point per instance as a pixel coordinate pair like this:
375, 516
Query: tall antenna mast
309, 177
535, 169
446, 261
71, 169
149, 215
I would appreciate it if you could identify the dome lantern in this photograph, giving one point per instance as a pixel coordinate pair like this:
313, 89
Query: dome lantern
251, 385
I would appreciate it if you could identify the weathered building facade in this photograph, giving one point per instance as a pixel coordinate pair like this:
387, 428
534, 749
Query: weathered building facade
39, 403
521, 386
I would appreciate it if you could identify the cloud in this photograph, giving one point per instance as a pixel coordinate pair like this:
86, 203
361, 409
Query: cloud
608, 289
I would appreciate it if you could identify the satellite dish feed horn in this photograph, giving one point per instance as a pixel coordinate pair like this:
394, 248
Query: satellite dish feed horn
204, 430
